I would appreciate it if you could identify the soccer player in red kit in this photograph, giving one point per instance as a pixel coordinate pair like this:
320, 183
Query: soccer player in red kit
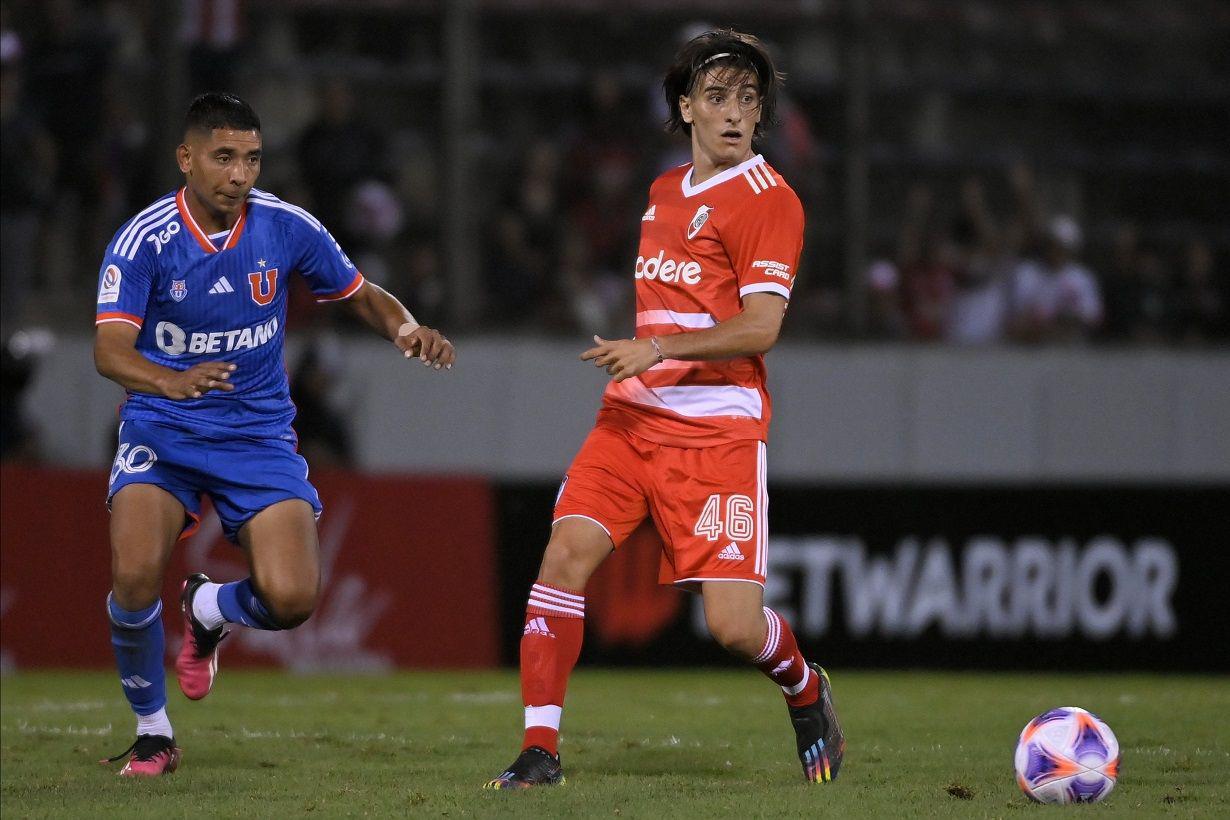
682, 429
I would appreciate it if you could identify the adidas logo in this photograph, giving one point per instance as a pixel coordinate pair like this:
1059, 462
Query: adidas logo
731, 553
135, 682
538, 626
650, 214
222, 286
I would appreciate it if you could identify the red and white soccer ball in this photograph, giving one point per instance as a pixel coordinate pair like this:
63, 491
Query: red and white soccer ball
1067, 755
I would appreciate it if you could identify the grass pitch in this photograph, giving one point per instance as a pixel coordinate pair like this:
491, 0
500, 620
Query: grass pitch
700, 743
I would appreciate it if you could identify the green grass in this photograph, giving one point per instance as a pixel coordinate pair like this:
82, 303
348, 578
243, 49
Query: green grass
637, 744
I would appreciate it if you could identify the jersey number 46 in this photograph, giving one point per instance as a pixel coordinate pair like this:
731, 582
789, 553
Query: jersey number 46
738, 524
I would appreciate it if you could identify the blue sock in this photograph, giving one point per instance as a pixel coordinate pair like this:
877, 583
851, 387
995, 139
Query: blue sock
139, 646
239, 604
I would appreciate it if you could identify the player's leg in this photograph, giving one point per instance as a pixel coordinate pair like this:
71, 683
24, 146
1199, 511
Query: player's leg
284, 554
599, 504
284, 558
146, 521
746, 628
266, 504
713, 503
550, 646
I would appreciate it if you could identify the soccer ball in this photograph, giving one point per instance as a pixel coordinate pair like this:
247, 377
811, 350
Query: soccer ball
1067, 755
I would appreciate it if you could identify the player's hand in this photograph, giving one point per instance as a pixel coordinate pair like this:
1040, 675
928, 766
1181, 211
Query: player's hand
429, 345
198, 380
622, 358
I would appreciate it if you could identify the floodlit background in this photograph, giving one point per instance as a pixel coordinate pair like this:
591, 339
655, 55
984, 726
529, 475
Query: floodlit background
1002, 416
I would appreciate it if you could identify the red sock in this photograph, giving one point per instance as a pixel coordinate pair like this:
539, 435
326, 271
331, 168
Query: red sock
550, 645
782, 663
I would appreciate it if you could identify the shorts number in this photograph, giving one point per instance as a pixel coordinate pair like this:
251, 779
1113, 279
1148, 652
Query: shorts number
739, 524
135, 460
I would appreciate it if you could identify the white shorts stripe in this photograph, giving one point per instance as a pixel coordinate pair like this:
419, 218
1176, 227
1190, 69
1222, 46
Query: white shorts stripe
587, 518
761, 509
670, 317
700, 579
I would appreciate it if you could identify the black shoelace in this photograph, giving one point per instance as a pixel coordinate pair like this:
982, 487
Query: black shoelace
145, 746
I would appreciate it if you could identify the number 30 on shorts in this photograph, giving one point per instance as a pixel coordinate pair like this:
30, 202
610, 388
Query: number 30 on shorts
135, 460
738, 522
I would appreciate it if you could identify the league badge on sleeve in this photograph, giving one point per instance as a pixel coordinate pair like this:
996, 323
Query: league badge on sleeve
179, 289
109, 289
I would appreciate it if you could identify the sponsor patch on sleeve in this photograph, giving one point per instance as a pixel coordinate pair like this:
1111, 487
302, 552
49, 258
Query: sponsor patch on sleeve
773, 268
109, 288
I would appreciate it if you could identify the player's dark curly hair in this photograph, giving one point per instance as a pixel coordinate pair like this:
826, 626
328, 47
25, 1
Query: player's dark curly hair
714, 50
215, 109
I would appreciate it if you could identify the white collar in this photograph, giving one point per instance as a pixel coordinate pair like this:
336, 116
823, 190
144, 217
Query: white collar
717, 179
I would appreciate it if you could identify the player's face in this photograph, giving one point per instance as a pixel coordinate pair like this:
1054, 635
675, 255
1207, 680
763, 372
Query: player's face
723, 110
220, 168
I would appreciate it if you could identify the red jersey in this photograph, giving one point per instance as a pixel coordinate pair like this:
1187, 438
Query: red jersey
703, 248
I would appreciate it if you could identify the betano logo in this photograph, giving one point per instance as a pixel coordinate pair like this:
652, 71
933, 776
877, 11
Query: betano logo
668, 270
173, 341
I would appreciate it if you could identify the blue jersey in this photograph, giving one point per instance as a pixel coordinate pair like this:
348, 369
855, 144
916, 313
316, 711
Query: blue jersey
197, 298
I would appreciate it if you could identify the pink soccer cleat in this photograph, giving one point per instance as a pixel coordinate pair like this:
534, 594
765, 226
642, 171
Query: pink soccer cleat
149, 756
197, 663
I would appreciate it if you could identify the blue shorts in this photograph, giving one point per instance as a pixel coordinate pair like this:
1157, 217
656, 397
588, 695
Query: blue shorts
243, 476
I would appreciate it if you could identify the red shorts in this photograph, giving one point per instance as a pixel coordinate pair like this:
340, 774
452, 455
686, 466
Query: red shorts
709, 504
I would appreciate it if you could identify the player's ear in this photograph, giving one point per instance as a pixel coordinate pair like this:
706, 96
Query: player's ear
685, 108
183, 156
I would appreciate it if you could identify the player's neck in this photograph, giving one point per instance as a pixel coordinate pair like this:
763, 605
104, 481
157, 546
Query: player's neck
210, 220
706, 167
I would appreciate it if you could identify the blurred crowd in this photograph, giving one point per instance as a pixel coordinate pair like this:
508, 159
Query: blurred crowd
980, 260
970, 276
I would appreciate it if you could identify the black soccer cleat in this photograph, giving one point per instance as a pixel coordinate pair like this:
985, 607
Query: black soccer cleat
533, 767
196, 666
818, 733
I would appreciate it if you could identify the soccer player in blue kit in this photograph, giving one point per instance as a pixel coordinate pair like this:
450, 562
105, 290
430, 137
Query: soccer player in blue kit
190, 321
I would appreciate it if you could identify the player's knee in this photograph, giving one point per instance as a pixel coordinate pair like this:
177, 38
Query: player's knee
736, 634
136, 582
289, 606
564, 565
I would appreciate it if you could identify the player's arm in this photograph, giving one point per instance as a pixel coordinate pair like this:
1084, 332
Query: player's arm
117, 358
387, 316
751, 332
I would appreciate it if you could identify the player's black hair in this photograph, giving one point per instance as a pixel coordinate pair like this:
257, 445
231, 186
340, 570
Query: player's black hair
215, 109
714, 50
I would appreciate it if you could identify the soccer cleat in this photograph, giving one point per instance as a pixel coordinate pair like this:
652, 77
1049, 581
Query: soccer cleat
197, 663
533, 767
149, 756
818, 732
